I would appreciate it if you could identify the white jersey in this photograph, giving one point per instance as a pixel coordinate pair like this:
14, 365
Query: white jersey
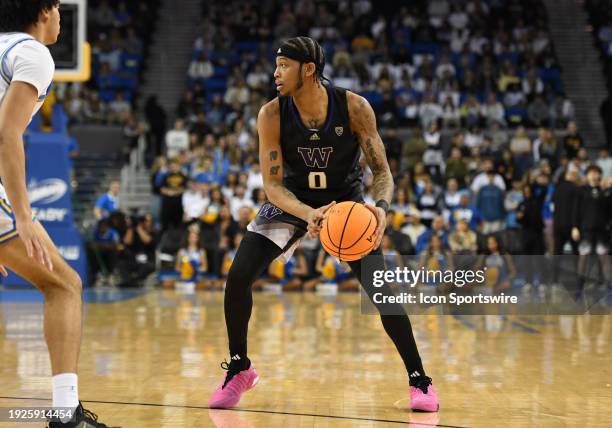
24, 59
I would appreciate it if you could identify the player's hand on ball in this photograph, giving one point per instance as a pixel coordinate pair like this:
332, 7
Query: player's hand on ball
315, 219
3, 271
381, 218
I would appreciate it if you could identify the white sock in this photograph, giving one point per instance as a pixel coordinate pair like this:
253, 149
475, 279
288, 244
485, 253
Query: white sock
66, 391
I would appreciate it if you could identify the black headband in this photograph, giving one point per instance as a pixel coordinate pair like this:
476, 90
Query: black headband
292, 53
298, 55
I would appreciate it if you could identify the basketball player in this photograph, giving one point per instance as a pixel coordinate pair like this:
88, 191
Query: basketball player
26, 71
310, 140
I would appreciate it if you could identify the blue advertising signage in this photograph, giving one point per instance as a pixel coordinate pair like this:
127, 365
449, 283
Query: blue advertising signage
48, 183
48, 177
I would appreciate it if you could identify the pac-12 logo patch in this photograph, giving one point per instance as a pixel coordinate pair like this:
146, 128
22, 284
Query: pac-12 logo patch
339, 130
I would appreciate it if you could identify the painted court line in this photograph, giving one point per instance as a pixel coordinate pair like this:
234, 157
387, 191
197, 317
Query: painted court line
314, 415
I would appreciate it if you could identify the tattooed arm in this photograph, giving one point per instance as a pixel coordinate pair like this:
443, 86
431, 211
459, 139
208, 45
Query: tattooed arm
363, 125
271, 162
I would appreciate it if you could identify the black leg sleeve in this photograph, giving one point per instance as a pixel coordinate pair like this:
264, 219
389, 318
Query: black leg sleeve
254, 255
398, 325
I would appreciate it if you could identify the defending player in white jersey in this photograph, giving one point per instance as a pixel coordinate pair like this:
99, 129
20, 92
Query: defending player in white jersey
26, 71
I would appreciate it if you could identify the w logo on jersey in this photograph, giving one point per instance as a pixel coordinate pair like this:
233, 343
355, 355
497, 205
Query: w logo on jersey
269, 211
317, 157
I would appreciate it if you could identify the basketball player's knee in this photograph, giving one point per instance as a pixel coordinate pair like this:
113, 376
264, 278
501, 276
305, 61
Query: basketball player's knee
68, 284
74, 283
237, 279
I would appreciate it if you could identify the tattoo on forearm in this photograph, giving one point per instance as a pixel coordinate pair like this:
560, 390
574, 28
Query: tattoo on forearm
273, 155
374, 162
382, 185
274, 170
363, 122
289, 193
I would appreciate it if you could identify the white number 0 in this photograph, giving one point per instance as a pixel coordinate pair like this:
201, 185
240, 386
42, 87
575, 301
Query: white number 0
317, 180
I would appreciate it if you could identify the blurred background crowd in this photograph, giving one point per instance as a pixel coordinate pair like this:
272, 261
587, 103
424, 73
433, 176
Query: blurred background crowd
479, 133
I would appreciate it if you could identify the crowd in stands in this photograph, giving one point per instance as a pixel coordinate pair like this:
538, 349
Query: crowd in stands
473, 81
119, 32
123, 247
463, 63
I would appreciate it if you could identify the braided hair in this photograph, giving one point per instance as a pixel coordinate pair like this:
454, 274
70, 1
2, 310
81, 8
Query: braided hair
304, 50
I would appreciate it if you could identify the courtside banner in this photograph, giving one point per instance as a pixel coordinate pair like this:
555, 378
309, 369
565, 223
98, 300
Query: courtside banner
494, 284
69, 243
48, 180
47, 172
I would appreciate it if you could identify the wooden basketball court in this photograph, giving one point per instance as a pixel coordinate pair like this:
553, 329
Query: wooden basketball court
151, 359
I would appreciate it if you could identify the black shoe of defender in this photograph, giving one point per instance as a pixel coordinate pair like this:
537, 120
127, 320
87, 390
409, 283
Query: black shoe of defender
82, 419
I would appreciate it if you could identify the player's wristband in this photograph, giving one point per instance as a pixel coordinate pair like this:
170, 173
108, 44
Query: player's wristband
383, 204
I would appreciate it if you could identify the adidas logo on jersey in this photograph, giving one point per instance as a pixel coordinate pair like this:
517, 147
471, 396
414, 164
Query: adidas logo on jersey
314, 137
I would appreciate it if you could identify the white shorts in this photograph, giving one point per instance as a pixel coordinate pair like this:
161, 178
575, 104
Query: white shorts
280, 227
8, 229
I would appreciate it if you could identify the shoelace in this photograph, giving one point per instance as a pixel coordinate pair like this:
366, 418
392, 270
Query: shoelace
231, 372
424, 384
91, 415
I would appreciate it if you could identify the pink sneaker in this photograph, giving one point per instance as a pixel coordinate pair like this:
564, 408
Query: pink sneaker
423, 397
229, 392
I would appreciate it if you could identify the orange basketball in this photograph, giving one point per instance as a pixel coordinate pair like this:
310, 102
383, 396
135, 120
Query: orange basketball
348, 231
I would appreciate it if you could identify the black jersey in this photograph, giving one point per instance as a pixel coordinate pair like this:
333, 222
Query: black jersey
320, 165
